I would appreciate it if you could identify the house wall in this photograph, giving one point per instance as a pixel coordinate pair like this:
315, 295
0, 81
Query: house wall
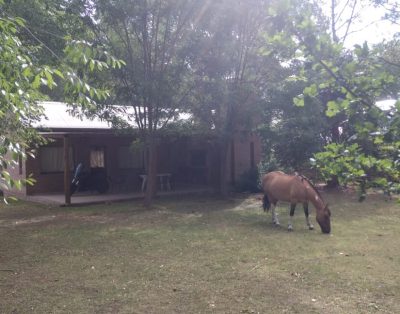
81, 147
118, 177
240, 155
182, 157
49, 182
190, 160
17, 172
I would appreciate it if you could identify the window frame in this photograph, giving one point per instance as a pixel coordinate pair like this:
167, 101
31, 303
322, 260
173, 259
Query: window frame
71, 159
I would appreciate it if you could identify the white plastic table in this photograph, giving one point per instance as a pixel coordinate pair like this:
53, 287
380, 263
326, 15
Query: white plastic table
164, 178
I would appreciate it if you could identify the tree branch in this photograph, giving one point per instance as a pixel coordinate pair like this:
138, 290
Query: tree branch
349, 22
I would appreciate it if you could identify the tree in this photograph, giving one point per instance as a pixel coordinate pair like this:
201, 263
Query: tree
351, 81
152, 37
20, 81
48, 28
231, 74
392, 9
22, 78
291, 134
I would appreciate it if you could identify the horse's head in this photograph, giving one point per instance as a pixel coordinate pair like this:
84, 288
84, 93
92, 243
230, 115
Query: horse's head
324, 219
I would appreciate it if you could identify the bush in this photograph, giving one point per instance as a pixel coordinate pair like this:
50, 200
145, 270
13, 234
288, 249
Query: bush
272, 164
249, 181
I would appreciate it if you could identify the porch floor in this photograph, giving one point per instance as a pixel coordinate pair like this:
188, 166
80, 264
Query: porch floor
95, 198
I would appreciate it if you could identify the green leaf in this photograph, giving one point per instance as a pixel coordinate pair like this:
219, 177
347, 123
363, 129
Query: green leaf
333, 109
345, 104
58, 73
311, 90
49, 77
299, 101
36, 82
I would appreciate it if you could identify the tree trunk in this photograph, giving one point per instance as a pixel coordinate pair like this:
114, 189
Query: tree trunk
333, 182
223, 169
151, 187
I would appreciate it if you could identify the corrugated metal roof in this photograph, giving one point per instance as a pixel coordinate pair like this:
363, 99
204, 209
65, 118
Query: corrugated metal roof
56, 116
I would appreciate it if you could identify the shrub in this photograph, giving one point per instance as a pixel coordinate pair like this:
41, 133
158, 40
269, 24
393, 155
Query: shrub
249, 181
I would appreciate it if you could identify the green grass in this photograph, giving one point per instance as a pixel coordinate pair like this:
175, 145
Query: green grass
196, 255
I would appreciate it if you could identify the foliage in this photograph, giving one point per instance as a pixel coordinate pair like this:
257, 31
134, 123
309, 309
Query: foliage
230, 73
49, 27
293, 134
270, 163
294, 128
148, 36
155, 86
392, 9
22, 80
219, 60
184, 56
81, 95
347, 83
249, 181
351, 165
360, 82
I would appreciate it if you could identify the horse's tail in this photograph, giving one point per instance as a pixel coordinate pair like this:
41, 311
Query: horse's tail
266, 203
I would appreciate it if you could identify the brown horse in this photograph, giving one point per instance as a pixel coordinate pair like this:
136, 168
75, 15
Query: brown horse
278, 186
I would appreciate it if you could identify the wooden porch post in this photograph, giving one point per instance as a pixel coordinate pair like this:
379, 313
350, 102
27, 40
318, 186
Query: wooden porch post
233, 162
67, 172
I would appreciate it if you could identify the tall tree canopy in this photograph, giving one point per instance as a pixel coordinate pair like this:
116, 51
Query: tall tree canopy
348, 83
230, 72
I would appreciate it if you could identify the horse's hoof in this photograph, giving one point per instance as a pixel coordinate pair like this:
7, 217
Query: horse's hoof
311, 227
290, 228
276, 223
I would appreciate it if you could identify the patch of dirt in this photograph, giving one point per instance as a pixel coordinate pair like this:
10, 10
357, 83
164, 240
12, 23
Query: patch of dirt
34, 220
65, 218
26, 221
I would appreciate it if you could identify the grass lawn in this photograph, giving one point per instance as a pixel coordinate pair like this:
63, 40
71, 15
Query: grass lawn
196, 255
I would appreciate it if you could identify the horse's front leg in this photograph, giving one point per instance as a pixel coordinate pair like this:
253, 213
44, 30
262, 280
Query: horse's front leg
292, 208
275, 219
308, 223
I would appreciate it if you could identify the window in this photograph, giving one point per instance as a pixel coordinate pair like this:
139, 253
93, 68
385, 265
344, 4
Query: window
97, 157
128, 158
52, 159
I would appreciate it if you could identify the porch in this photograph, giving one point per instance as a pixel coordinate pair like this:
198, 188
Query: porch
186, 165
88, 198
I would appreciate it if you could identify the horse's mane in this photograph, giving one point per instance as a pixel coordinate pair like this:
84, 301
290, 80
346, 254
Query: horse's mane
304, 178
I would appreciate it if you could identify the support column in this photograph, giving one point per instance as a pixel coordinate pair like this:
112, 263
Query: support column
67, 172
233, 163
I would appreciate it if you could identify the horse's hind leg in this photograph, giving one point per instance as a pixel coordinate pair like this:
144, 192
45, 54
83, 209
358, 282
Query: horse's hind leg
290, 225
309, 224
275, 219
